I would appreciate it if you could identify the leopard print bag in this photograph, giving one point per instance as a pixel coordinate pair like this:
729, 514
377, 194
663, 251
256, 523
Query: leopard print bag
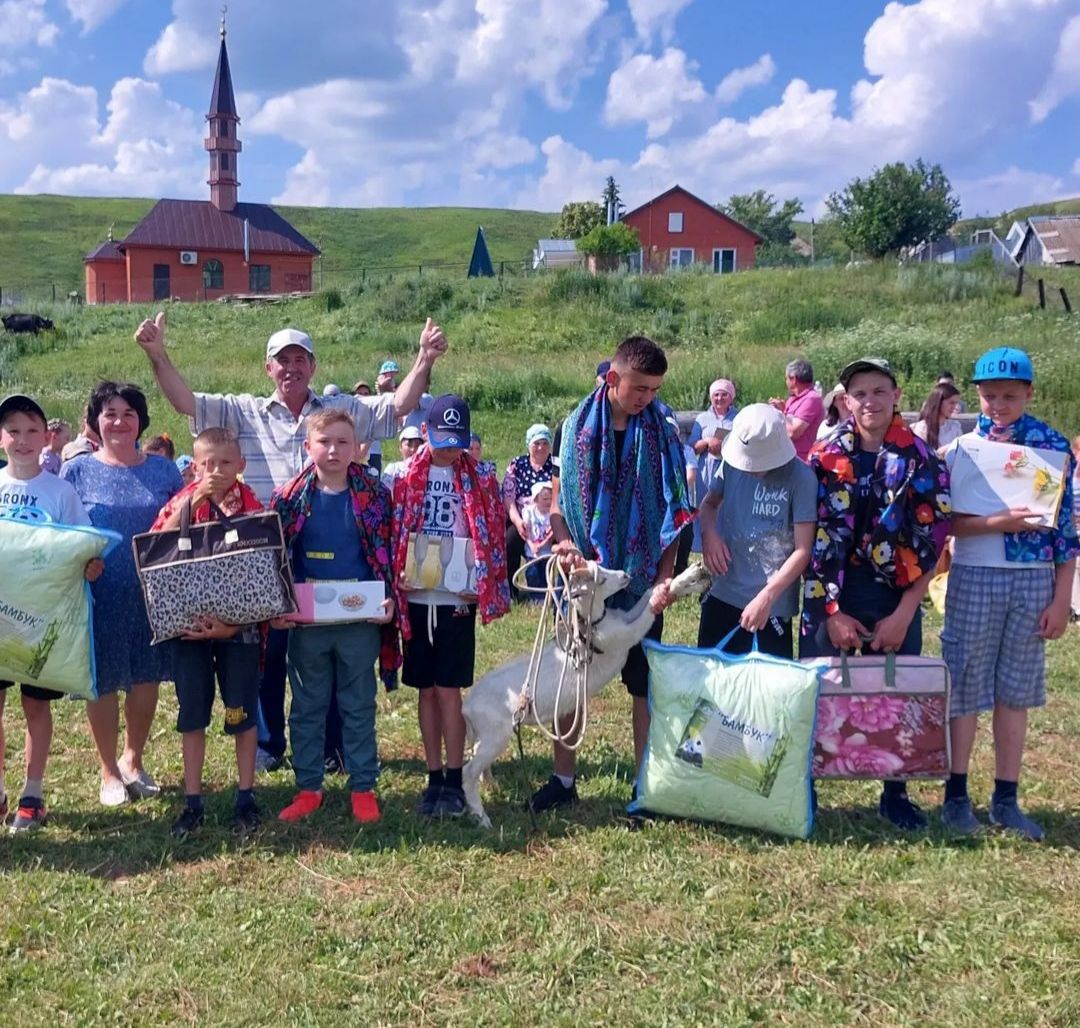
233, 569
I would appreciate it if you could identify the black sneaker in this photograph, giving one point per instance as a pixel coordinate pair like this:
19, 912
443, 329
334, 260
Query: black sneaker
426, 806
29, 814
246, 818
451, 802
187, 822
900, 811
552, 794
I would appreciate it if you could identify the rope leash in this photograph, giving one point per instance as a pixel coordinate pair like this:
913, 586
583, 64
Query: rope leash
573, 635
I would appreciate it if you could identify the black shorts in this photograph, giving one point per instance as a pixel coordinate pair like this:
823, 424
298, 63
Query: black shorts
719, 618
236, 665
451, 661
35, 692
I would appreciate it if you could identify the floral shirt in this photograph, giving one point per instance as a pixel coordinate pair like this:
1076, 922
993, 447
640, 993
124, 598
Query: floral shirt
908, 518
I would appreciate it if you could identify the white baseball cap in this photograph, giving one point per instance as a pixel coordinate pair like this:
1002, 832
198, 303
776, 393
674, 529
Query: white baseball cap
758, 440
288, 337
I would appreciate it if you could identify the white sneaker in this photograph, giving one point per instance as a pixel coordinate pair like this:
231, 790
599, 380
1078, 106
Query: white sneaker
113, 793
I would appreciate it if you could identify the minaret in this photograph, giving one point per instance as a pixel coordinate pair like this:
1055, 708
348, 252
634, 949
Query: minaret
221, 142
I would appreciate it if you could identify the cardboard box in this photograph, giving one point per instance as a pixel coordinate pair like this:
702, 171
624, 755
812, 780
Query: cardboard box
328, 603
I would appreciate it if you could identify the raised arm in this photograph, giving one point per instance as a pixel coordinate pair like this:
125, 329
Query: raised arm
415, 383
150, 335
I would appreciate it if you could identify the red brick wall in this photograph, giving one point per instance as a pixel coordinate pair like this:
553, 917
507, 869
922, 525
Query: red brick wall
703, 231
106, 282
288, 273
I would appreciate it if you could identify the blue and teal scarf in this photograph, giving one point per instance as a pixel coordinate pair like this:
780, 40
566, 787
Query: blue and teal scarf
623, 513
1057, 544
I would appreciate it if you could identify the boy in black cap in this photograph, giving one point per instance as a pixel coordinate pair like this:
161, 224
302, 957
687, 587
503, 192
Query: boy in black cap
449, 500
23, 433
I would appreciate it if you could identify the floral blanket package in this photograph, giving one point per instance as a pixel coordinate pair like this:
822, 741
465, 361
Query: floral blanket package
989, 476
882, 717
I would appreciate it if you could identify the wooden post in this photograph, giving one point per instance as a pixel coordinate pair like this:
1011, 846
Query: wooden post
1042, 294
1019, 281
54, 292
1065, 300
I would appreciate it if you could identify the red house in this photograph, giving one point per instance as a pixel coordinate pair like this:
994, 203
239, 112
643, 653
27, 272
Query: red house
204, 249
678, 229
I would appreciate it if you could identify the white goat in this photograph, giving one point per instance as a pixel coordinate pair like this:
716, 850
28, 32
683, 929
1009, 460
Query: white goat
491, 703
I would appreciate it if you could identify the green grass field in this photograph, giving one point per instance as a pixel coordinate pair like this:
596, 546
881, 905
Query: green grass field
106, 919
43, 238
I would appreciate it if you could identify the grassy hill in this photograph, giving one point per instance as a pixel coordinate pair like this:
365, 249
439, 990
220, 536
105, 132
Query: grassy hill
577, 920
43, 238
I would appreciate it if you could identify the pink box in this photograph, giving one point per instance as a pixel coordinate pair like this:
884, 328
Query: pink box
327, 603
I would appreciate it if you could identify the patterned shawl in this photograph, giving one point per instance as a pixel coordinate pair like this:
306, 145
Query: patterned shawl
624, 515
484, 515
1057, 544
906, 531
238, 499
371, 509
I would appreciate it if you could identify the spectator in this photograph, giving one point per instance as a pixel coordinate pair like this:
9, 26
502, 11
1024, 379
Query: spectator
57, 436
385, 384
361, 388
1076, 520
947, 378
802, 408
537, 518
122, 490
331, 390
87, 441
161, 446
271, 436
409, 442
874, 552
476, 451
835, 411
936, 425
706, 435
185, 464
535, 465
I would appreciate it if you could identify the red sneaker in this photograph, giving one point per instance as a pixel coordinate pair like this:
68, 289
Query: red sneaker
365, 808
305, 803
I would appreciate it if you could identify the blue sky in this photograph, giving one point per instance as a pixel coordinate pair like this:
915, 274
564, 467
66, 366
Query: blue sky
532, 103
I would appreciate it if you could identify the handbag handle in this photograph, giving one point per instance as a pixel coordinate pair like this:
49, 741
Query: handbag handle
731, 635
183, 542
890, 669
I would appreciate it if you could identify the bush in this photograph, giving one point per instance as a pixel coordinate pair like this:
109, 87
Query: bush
412, 299
332, 299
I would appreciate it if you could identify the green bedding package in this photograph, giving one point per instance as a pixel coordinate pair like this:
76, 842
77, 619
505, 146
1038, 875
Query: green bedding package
730, 739
45, 604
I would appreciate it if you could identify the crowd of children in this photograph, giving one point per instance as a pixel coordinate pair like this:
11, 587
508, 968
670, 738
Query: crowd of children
768, 520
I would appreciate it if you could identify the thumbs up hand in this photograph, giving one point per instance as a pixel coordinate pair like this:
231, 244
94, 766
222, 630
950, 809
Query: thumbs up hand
432, 342
150, 335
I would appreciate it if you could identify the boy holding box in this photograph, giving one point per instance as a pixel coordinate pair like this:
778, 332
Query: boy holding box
1009, 589
23, 483
209, 647
336, 518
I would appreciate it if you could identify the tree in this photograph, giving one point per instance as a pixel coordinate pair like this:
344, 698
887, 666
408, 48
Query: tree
895, 207
611, 197
612, 241
578, 218
758, 211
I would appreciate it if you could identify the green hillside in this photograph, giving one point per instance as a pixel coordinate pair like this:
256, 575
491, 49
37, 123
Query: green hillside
43, 238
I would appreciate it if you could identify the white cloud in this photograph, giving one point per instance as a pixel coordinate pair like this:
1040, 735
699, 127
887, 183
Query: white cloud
656, 16
26, 23
569, 174
653, 90
737, 82
1076, 166
307, 184
92, 13
1013, 187
180, 47
1064, 79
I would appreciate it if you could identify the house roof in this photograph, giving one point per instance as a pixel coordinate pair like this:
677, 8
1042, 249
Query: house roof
199, 225
106, 251
1060, 237
696, 199
222, 100
557, 245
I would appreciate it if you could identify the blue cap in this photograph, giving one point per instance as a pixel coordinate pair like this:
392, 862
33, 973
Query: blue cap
1003, 363
389, 368
448, 422
184, 461
603, 368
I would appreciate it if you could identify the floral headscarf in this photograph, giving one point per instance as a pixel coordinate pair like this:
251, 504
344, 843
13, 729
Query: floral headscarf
905, 533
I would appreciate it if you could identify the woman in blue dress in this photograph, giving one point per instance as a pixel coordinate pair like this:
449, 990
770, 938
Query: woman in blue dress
122, 489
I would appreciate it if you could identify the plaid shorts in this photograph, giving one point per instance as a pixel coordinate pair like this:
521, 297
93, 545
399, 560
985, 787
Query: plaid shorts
990, 640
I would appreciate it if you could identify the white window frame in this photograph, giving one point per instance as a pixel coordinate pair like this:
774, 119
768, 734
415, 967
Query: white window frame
718, 265
675, 221
679, 262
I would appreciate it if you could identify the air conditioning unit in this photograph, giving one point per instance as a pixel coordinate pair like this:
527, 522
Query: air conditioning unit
189, 257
